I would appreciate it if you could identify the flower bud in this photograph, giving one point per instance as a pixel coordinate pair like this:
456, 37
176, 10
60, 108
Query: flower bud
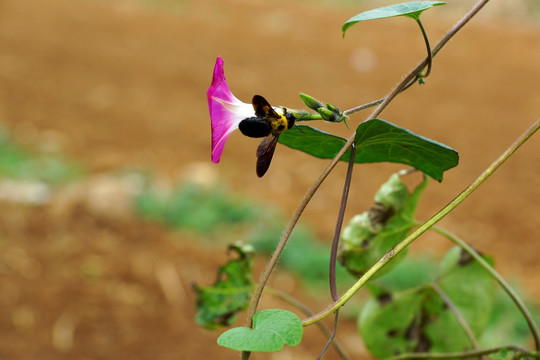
310, 102
333, 109
327, 115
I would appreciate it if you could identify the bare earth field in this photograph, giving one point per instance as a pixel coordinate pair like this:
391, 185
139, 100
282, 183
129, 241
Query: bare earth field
122, 86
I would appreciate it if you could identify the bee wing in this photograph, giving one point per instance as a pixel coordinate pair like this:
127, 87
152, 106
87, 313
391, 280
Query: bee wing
263, 109
265, 152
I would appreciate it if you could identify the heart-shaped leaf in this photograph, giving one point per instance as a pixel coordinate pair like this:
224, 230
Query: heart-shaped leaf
272, 329
411, 9
377, 141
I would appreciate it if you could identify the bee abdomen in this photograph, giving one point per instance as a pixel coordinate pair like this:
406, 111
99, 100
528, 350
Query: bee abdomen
255, 127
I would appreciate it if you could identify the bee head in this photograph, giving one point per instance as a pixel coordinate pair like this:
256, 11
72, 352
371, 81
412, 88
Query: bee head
290, 118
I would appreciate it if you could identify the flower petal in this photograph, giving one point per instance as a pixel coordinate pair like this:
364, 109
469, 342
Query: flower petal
226, 111
219, 87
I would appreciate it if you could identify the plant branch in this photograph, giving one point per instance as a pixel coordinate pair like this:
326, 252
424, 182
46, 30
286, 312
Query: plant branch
425, 226
465, 354
311, 191
507, 288
363, 107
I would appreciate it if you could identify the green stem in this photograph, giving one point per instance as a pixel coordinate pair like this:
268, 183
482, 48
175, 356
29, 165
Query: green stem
425, 226
465, 354
513, 295
429, 54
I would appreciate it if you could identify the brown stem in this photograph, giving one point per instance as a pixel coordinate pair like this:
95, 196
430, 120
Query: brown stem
339, 223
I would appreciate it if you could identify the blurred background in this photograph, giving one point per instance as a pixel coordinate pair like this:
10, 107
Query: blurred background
110, 208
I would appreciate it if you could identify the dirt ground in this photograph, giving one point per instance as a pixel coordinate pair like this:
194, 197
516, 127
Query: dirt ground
122, 86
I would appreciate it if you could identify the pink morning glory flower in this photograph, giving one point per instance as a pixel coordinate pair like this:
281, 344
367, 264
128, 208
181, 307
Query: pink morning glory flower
226, 111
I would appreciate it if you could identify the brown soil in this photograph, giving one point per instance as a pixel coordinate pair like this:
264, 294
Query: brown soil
123, 86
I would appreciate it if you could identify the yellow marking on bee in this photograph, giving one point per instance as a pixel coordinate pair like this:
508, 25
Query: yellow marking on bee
279, 125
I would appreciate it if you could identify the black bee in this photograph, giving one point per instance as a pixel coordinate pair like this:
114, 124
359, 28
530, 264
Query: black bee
269, 124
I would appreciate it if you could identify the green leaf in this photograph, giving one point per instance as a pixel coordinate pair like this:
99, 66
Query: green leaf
385, 322
219, 304
420, 320
272, 329
371, 234
410, 273
312, 141
411, 9
377, 141
506, 324
470, 287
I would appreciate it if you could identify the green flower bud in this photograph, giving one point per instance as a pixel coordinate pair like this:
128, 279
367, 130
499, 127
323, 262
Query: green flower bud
333, 109
327, 115
310, 102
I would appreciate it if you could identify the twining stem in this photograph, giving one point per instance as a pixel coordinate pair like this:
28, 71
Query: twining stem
294, 302
332, 336
335, 244
457, 314
281, 245
507, 288
465, 19
425, 226
467, 354
429, 54
339, 223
